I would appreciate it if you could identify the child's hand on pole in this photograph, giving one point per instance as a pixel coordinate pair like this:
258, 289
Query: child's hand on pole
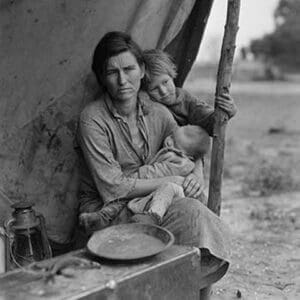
226, 103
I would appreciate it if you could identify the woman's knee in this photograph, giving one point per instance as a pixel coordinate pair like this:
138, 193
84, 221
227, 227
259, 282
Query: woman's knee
183, 219
189, 208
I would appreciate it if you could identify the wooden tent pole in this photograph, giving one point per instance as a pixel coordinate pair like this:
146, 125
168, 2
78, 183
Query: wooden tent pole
221, 118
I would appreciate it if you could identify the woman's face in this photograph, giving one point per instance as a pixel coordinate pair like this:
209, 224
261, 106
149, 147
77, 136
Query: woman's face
122, 77
162, 89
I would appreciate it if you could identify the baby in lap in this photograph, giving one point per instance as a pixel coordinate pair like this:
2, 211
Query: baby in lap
187, 144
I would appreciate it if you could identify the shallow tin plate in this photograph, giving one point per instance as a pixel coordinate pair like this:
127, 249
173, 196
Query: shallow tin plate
130, 241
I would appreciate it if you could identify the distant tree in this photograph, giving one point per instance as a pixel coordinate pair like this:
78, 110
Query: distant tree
282, 47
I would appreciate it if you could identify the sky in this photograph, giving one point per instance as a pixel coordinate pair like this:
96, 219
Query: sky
256, 19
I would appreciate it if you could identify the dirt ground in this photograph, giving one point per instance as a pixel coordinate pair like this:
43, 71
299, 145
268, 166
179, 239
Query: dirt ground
265, 252
266, 228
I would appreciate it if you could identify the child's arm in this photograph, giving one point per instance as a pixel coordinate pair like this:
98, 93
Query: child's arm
198, 112
202, 114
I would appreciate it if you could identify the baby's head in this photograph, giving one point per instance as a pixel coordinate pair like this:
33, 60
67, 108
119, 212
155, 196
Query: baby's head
192, 140
160, 72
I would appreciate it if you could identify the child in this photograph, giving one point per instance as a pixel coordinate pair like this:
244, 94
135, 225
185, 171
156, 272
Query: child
187, 144
158, 81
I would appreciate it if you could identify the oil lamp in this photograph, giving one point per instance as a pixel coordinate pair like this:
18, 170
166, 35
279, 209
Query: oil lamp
26, 238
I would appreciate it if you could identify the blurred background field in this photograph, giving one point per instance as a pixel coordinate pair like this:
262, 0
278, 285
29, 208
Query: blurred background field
261, 182
266, 127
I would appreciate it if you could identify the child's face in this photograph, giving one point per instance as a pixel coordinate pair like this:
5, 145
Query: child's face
162, 89
177, 140
169, 141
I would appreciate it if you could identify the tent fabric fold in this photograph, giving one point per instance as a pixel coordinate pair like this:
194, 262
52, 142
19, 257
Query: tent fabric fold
45, 81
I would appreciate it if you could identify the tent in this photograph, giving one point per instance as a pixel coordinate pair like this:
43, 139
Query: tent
45, 81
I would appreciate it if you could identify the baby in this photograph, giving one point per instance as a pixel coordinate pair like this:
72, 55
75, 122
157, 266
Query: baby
185, 145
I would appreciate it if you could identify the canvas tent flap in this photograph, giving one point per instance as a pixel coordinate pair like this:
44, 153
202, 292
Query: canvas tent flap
45, 80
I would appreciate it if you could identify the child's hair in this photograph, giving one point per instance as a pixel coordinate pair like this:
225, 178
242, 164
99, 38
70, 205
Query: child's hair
157, 62
198, 141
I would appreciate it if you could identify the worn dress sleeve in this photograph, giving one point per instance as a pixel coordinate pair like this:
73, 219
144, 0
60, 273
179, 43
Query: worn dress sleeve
106, 172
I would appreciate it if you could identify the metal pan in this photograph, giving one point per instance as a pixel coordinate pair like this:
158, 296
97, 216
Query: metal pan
130, 241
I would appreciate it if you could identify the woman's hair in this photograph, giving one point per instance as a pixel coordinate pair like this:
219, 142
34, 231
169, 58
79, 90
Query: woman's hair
158, 62
198, 141
112, 44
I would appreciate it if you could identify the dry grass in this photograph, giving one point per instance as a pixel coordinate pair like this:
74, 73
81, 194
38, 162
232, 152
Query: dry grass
262, 156
267, 178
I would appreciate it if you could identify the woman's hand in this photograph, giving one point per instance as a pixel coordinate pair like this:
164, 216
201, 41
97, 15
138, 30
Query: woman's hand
174, 179
226, 103
193, 186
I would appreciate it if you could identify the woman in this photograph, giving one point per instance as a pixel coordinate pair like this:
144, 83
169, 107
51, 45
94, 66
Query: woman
122, 131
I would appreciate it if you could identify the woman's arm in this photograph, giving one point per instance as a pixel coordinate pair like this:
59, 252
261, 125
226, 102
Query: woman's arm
145, 186
105, 171
167, 164
107, 174
193, 184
